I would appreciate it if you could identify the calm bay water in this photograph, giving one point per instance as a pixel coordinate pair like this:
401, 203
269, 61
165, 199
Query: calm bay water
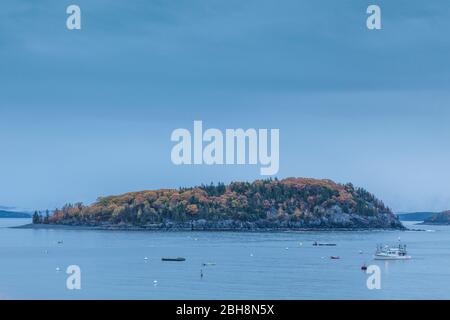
281, 265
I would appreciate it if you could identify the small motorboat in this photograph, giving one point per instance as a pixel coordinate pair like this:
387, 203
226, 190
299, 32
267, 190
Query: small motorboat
364, 267
334, 257
174, 259
324, 244
208, 264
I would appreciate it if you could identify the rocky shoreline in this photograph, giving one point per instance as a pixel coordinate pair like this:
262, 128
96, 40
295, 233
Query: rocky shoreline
178, 229
347, 223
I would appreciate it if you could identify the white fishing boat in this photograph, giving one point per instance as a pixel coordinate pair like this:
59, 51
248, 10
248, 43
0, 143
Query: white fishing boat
391, 253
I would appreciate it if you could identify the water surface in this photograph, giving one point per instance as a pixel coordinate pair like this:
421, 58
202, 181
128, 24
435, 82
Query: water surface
280, 265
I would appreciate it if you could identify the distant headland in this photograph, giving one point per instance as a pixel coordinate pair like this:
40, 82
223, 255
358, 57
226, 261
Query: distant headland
271, 204
415, 216
13, 214
440, 218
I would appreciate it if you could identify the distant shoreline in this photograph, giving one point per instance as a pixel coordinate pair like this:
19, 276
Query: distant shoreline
433, 223
181, 229
14, 215
1, 217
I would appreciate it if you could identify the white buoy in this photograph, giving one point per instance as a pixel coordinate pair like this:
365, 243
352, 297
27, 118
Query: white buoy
57, 269
155, 282
287, 248
145, 258
360, 252
300, 244
251, 254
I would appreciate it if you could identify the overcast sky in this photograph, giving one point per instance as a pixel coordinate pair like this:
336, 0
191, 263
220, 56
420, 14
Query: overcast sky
90, 112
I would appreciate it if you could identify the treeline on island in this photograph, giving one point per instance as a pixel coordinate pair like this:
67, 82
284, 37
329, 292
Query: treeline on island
272, 203
40, 217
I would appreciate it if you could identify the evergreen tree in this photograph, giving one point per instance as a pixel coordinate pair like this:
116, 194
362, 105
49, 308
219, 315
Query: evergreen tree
36, 218
47, 217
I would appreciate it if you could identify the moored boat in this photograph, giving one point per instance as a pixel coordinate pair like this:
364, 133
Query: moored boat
315, 243
174, 259
391, 253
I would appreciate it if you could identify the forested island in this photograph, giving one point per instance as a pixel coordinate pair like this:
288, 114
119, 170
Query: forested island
441, 218
292, 203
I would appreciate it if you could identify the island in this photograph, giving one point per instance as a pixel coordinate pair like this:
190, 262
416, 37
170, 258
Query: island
441, 218
415, 216
270, 204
